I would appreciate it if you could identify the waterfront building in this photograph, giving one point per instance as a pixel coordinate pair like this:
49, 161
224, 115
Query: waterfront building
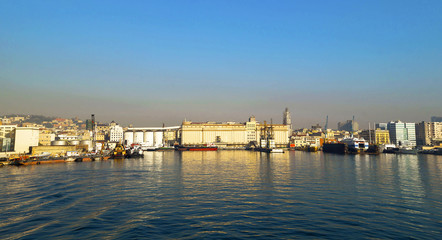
231, 134
382, 136
428, 133
151, 136
300, 141
402, 134
45, 137
25, 137
377, 136
348, 125
251, 129
116, 133
7, 135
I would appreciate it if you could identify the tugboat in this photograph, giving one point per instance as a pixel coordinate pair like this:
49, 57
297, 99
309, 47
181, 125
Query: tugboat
119, 152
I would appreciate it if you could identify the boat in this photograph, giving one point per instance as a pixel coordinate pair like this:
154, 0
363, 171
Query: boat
355, 145
150, 148
312, 148
375, 149
435, 151
134, 151
335, 147
119, 152
23, 161
390, 148
407, 150
196, 148
165, 149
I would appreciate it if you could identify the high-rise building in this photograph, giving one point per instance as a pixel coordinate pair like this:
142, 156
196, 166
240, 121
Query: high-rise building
382, 126
428, 133
348, 125
402, 134
287, 120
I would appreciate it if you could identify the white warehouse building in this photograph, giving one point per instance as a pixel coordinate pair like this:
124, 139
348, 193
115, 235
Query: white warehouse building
147, 136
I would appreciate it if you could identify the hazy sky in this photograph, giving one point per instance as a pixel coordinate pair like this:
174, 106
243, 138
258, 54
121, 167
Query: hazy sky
149, 62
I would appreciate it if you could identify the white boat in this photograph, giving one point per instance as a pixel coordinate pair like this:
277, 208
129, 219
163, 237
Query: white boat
277, 150
356, 145
149, 148
407, 150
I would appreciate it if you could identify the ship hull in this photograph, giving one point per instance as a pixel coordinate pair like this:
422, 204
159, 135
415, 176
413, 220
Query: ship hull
184, 148
340, 148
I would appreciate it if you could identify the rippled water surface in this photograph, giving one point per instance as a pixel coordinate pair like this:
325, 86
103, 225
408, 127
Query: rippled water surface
225, 194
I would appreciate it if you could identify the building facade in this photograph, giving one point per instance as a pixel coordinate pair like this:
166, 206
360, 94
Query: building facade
25, 138
382, 136
45, 138
116, 133
7, 137
348, 125
232, 134
150, 136
428, 133
402, 134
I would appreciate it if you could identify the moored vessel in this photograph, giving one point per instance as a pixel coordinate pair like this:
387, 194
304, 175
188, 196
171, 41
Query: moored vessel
196, 148
335, 147
355, 145
119, 152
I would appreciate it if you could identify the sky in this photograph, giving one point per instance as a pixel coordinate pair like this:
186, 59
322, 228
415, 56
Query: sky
152, 62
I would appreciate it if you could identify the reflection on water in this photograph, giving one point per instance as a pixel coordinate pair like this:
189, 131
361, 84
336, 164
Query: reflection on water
225, 194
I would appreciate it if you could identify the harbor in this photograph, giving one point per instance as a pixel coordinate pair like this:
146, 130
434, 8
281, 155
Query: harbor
217, 194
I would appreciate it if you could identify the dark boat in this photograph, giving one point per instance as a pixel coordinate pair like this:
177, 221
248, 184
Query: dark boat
341, 148
196, 148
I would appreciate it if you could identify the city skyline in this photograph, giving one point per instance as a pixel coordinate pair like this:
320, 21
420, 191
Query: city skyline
161, 62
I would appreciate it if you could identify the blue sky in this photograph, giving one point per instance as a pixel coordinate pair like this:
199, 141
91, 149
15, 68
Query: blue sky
149, 62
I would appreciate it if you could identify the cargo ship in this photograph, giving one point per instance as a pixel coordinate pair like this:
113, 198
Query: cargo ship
196, 148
